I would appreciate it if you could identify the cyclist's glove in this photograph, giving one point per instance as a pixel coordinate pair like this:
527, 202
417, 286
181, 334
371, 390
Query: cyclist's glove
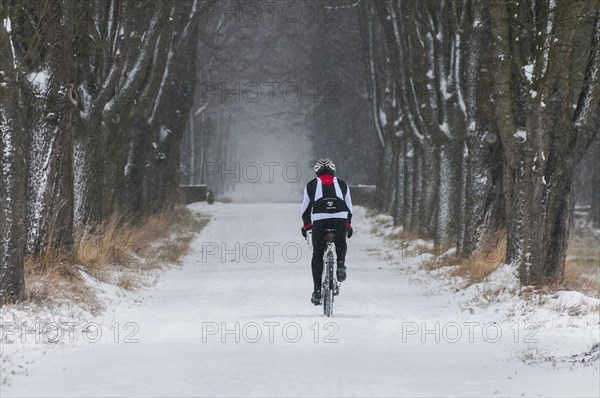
350, 231
305, 228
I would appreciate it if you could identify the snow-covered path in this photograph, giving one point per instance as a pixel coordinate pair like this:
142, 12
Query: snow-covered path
231, 324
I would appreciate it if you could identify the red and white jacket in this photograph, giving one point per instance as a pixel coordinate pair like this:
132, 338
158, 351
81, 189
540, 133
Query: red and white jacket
326, 197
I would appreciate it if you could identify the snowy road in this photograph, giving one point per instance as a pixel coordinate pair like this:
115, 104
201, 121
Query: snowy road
237, 321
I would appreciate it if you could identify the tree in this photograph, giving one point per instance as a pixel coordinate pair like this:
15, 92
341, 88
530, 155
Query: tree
41, 53
13, 144
432, 119
81, 84
546, 122
462, 150
595, 200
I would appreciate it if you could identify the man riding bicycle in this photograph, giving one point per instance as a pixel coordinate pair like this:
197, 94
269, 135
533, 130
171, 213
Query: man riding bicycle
326, 205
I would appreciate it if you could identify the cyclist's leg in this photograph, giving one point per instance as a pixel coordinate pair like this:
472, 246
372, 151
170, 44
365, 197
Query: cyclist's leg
340, 240
341, 248
318, 241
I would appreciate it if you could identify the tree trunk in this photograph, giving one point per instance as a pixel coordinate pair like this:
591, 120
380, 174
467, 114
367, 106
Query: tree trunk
392, 183
13, 150
400, 199
416, 223
443, 201
408, 158
384, 187
542, 137
50, 179
595, 205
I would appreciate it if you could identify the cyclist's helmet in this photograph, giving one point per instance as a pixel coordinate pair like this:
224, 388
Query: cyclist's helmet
324, 166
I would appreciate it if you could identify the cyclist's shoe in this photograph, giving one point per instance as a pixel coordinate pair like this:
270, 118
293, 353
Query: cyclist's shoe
341, 272
316, 297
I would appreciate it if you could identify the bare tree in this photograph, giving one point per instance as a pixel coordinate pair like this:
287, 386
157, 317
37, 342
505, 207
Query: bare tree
431, 77
13, 144
546, 122
81, 82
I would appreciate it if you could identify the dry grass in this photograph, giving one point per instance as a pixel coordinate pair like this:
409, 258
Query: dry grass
582, 268
485, 260
577, 309
54, 276
438, 262
115, 252
404, 236
413, 249
476, 268
382, 222
534, 355
536, 297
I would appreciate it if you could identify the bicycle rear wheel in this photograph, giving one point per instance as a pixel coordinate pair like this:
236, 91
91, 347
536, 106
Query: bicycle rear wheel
328, 286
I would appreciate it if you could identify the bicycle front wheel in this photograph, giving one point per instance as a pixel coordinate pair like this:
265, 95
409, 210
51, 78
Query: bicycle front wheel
328, 302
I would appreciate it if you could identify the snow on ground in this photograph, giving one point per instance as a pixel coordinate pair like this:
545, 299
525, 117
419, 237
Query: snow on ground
236, 320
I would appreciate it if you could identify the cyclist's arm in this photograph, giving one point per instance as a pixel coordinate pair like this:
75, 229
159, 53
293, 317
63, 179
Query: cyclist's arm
348, 201
306, 209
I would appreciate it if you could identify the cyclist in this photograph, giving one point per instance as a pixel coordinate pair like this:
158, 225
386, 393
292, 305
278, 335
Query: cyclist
326, 205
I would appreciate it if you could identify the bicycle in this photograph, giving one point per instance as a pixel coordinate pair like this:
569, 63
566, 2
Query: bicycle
330, 286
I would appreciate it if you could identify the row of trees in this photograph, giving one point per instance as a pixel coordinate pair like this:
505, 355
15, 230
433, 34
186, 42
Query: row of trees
483, 110
304, 59
248, 108
93, 102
